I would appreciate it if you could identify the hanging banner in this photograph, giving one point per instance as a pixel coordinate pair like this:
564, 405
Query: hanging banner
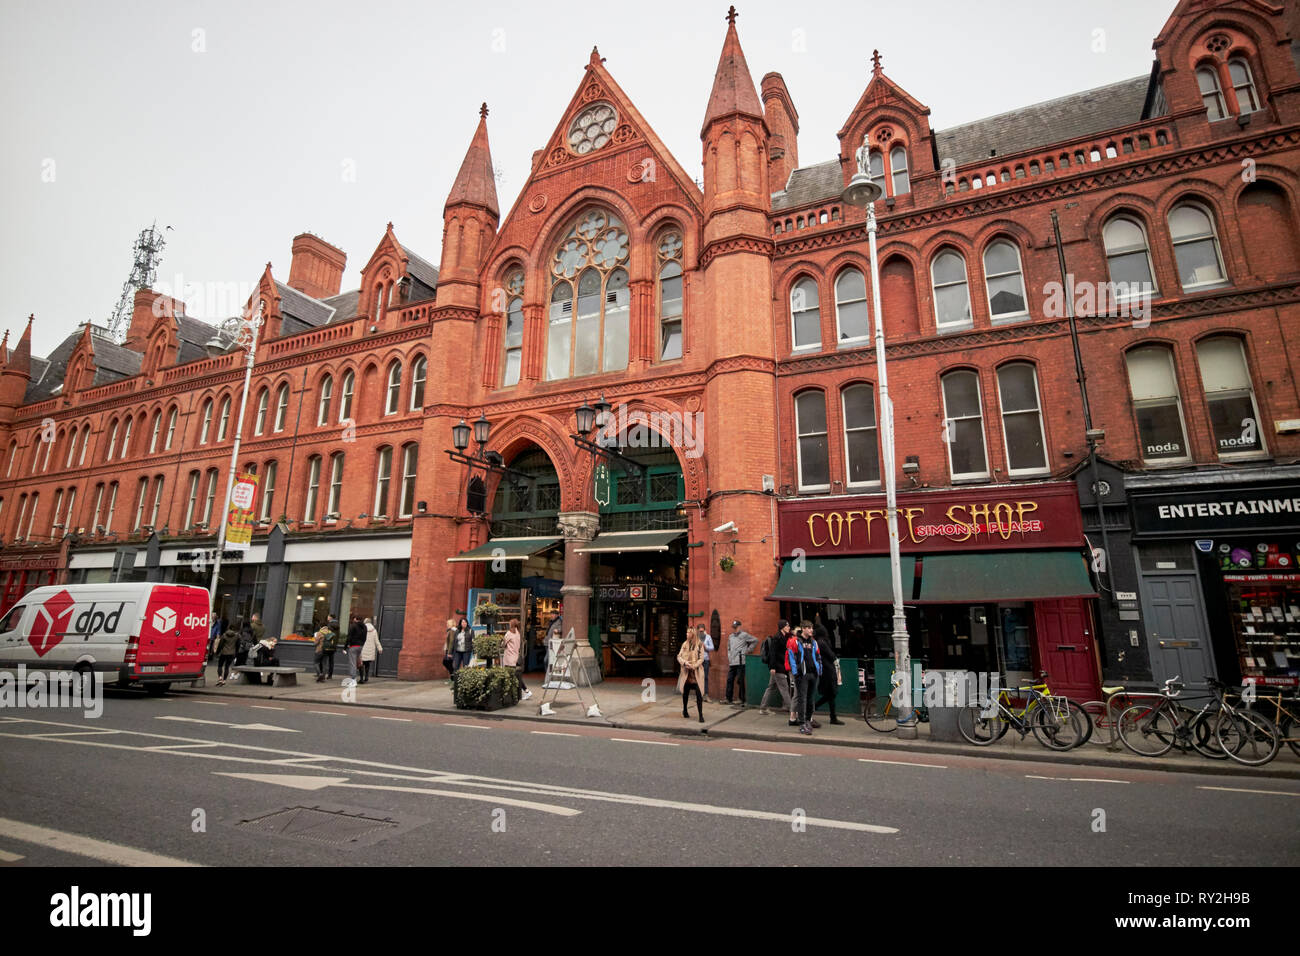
239, 520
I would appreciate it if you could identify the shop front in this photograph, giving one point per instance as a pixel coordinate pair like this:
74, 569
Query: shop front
1219, 574
19, 573
994, 579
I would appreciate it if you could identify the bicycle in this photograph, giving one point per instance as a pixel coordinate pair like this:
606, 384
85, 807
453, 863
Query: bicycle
1286, 716
1218, 730
1105, 715
881, 714
1056, 722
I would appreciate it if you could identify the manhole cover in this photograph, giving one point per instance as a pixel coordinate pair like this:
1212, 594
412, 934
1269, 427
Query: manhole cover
327, 826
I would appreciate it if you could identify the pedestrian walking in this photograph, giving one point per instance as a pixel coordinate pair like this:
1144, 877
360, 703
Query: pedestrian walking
510, 656
805, 668
462, 644
691, 678
739, 644
227, 647
706, 640
449, 646
370, 649
773, 654
829, 685
257, 628
323, 645
355, 642
245, 643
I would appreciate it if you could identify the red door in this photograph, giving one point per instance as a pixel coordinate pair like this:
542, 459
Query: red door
1066, 647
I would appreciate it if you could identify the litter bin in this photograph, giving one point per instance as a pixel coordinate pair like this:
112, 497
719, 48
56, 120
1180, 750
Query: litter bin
944, 692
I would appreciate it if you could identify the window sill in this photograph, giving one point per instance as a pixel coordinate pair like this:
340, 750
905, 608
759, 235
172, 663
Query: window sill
847, 344
814, 490
971, 480
1205, 287
949, 329
1167, 463
806, 349
1013, 319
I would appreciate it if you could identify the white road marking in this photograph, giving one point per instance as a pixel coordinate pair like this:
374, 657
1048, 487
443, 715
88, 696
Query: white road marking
452, 723
75, 733
553, 733
211, 703
7, 857
182, 746
633, 740
778, 753
1276, 793
85, 846
1034, 776
320, 783
331, 713
905, 763
222, 723
264, 707
405, 720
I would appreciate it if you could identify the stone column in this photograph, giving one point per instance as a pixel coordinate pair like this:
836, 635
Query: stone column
579, 528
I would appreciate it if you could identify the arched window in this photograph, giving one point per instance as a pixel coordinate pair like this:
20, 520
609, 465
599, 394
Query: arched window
268, 490
69, 513
876, 169
282, 407
394, 388
383, 478
207, 422
153, 435
13, 453
410, 461
1196, 247
157, 501
99, 504
379, 301
224, 421
1243, 85
112, 443
333, 505
1128, 257
345, 398
85, 445
963, 430
171, 429
592, 337
861, 449
142, 496
326, 393
1005, 281
898, 167
36, 504
514, 344
1156, 404
190, 512
1022, 419
814, 448
71, 437
54, 514
850, 308
951, 296
670, 296
263, 403
805, 315
112, 507
419, 372
1211, 94
22, 513
210, 498
1234, 416
313, 487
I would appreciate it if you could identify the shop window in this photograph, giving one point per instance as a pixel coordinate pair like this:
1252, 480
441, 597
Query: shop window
851, 308
1004, 281
964, 426
1234, 416
1128, 257
263, 403
805, 315
360, 590
307, 599
1196, 247
323, 405
814, 448
1243, 85
670, 296
1211, 94
951, 296
1022, 420
590, 334
861, 450
1156, 405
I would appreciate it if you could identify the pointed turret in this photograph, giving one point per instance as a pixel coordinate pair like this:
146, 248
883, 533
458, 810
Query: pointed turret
21, 361
16, 373
735, 139
475, 184
469, 222
733, 87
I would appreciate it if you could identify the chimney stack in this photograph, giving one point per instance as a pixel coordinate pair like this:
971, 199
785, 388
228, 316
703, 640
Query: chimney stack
317, 267
783, 122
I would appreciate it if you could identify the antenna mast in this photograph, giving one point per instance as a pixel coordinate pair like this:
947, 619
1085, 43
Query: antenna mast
148, 253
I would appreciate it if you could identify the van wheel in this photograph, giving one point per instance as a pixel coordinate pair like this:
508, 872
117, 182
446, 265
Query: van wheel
157, 689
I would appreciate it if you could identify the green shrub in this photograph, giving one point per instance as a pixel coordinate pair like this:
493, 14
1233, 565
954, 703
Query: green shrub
475, 684
489, 646
486, 609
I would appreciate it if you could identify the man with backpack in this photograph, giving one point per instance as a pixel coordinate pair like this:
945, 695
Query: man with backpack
805, 662
325, 639
773, 655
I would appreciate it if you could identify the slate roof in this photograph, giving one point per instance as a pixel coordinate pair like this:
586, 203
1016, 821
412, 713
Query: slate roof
112, 364
310, 312
192, 336
344, 304
423, 272
810, 184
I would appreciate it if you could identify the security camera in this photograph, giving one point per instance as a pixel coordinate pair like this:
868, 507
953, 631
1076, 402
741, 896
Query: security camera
729, 526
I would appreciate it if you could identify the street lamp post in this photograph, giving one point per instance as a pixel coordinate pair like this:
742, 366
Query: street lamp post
862, 192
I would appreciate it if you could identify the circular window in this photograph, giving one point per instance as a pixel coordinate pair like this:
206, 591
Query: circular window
592, 128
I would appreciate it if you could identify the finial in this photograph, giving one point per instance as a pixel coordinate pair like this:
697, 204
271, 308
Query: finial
483, 111
31, 318
595, 57
390, 227
875, 62
731, 15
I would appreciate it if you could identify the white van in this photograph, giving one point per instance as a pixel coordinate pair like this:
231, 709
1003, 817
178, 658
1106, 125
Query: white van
148, 634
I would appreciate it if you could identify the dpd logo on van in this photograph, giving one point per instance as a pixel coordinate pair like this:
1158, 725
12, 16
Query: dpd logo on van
51, 623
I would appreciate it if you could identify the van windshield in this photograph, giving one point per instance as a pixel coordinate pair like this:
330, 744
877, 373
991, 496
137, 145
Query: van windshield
10, 620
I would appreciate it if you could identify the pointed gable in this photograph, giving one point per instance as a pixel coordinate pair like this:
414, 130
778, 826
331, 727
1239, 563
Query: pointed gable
475, 184
733, 87
889, 116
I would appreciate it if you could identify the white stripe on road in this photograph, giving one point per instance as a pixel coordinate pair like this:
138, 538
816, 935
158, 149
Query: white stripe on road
7, 857
85, 846
405, 720
905, 763
778, 753
1276, 793
211, 703
553, 733
452, 723
331, 713
1032, 776
182, 746
657, 743
264, 707
74, 733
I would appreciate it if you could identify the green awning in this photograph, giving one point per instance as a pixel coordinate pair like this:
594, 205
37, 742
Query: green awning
1004, 576
840, 580
506, 549
630, 541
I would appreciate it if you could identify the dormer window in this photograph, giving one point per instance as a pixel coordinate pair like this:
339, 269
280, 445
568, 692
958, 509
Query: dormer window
1211, 94
898, 167
1243, 85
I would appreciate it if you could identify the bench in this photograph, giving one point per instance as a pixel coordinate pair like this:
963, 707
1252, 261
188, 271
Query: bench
282, 676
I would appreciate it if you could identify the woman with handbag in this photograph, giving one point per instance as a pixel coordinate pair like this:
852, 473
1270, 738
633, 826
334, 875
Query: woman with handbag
691, 678
448, 648
369, 650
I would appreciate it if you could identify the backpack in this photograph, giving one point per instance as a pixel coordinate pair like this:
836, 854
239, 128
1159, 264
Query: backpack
772, 652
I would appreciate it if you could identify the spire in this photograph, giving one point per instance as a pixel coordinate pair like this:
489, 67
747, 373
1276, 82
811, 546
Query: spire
21, 361
475, 183
733, 87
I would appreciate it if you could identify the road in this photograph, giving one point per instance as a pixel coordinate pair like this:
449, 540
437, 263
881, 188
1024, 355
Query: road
188, 779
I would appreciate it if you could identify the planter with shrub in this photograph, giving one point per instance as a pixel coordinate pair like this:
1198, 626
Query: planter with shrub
486, 688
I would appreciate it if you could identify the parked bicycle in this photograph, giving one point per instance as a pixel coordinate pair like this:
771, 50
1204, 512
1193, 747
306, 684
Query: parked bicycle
1105, 715
1056, 722
1284, 712
881, 713
1218, 729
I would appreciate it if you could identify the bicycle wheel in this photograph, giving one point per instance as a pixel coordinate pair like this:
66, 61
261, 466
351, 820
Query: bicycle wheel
1056, 725
1247, 737
1204, 739
1289, 728
880, 715
1102, 725
1085, 719
978, 729
1147, 731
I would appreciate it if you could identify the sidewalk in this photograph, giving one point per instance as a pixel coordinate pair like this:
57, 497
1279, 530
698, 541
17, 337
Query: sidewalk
623, 705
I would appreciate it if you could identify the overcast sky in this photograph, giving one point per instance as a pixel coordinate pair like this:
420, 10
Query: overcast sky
236, 123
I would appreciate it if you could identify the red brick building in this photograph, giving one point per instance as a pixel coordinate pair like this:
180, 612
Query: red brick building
727, 326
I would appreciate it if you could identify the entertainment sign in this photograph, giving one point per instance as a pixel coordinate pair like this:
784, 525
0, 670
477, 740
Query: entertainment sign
1270, 508
981, 519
